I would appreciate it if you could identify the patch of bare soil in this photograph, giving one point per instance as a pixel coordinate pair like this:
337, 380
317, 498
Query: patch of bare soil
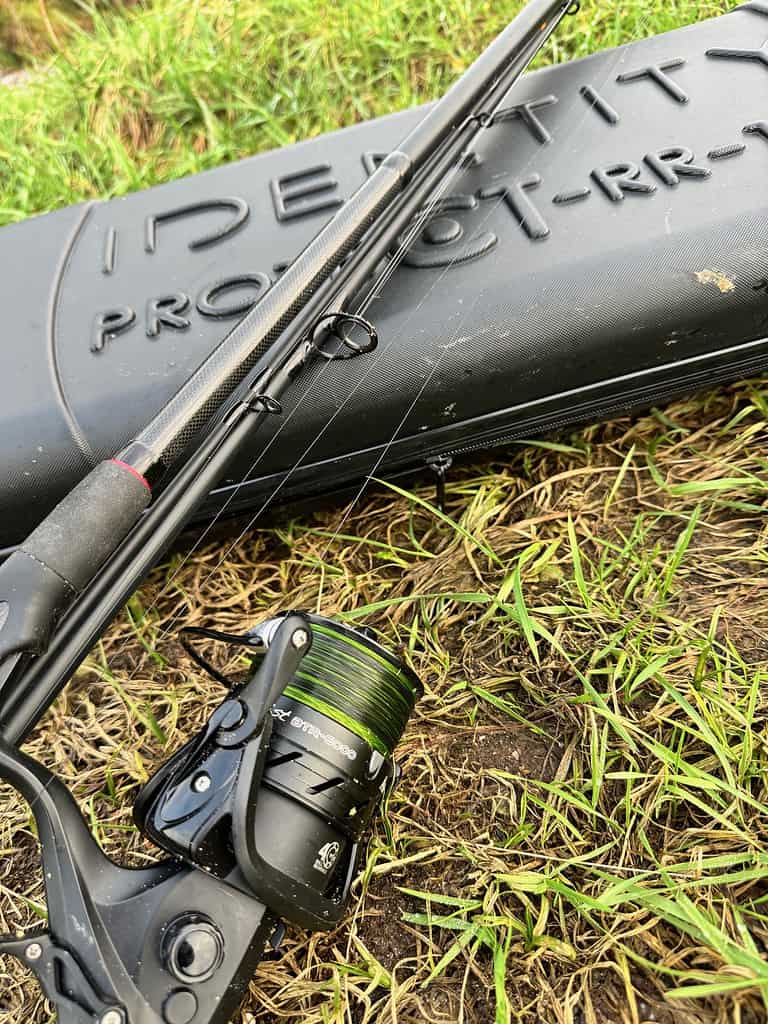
509, 748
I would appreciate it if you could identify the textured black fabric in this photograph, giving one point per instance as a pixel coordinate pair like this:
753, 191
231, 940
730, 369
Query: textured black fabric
607, 249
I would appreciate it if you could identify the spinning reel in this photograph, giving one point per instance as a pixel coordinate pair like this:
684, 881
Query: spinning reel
262, 814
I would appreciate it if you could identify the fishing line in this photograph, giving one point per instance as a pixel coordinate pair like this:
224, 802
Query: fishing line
413, 232
166, 631
456, 170
392, 265
482, 120
366, 371
345, 677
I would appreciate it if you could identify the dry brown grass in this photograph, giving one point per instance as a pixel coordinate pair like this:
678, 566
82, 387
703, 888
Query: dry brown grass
35, 29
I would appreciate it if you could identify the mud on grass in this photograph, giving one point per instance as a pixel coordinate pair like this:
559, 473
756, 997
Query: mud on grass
581, 831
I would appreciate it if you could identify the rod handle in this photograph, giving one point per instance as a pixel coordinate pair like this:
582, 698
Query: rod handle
63, 554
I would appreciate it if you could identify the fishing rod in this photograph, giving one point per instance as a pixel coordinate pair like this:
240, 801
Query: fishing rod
273, 343
262, 812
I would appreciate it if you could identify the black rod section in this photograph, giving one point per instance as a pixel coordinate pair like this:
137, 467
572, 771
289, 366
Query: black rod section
169, 433
272, 338
25, 698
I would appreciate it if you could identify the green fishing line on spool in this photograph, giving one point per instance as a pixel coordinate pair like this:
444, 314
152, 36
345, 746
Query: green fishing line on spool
355, 682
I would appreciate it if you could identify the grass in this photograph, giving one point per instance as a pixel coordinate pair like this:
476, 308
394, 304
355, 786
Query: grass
181, 87
581, 832
30, 29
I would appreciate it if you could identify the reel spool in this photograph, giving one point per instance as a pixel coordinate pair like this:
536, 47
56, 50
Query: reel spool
275, 798
350, 678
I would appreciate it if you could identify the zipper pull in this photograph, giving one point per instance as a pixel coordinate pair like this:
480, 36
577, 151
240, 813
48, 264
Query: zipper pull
440, 464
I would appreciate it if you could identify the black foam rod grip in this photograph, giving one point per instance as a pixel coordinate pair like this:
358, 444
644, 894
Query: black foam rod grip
58, 559
88, 524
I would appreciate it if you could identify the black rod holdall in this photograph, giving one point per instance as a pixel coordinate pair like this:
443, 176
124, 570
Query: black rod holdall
502, 262
606, 250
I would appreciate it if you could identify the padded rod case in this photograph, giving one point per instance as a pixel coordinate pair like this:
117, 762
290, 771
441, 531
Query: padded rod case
608, 249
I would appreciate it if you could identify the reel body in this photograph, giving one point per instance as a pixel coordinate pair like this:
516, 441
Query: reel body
288, 811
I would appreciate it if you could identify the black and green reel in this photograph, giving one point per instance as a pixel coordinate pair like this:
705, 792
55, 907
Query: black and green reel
286, 776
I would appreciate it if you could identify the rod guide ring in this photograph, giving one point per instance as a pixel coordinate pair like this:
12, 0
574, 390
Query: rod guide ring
336, 320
